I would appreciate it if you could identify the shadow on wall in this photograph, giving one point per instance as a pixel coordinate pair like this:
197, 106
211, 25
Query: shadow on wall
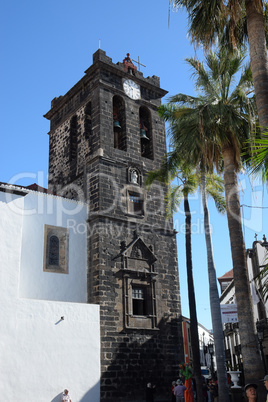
142, 357
57, 398
91, 395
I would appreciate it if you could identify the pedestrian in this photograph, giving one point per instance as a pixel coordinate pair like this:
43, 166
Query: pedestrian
179, 391
265, 383
150, 390
229, 381
213, 389
251, 392
205, 390
173, 396
65, 396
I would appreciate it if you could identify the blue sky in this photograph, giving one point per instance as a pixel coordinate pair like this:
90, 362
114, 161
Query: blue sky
47, 46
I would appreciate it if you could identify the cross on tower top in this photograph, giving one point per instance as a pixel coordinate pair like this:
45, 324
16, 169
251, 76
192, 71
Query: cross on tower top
139, 63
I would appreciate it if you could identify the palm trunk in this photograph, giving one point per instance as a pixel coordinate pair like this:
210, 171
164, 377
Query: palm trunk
215, 304
251, 359
192, 304
258, 57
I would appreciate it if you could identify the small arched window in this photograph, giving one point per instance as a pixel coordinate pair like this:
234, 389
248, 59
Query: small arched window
119, 123
53, 250
146, 138
56, 241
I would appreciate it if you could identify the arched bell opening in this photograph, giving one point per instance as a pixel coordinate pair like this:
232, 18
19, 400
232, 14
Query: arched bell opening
88, 120
146, 139
119, 123
88, 128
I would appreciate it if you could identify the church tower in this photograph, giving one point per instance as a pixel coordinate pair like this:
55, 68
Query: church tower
105, 135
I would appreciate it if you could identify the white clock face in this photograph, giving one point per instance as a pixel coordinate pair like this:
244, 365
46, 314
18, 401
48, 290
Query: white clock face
132, 89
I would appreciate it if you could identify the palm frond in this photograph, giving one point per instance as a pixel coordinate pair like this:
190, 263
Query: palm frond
259, 156
173, 199
262, 281
215, 190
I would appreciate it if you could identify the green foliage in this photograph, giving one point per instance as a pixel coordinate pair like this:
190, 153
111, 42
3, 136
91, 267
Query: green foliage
227, 21
185, 370
181, 180
215, 190
222, 115
229, 367
259, 156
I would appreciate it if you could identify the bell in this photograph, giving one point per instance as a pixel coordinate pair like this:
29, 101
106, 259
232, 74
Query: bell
116, 124
143, 135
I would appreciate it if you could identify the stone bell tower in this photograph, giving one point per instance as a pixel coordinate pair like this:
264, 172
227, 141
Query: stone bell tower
105, 136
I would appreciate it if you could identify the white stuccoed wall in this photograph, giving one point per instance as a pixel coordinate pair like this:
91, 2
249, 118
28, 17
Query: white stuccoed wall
40, 354
34, 283
262, 256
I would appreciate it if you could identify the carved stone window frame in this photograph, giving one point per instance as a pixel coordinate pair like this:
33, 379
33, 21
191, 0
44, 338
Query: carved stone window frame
135, 192
62, 235
135, 203
136, 264
133, 280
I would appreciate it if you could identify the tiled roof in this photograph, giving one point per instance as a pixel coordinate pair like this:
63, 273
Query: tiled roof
227, 275
36, 187
14, 188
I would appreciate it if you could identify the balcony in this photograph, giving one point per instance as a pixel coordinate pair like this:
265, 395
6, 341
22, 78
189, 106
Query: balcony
230, 328
227, 354
238, 350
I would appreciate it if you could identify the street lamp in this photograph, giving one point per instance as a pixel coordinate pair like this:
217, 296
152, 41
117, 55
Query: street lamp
260, 333
211, 352
205, 351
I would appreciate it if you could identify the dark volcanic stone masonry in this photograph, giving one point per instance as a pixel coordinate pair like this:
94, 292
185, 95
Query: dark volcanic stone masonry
105, 136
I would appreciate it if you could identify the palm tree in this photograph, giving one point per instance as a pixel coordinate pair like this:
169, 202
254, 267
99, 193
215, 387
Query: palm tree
236, 21
187, 184
212, 185
221, 118
213, 291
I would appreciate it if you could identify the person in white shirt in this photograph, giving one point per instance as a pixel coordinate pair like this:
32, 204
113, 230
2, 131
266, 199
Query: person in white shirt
65, 396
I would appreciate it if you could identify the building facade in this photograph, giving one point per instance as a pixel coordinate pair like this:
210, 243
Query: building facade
105, 136
50, 335
206, 342
256, 262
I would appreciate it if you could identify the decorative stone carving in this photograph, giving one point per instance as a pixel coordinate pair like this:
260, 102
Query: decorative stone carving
136, 252
134, 176
139, 284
